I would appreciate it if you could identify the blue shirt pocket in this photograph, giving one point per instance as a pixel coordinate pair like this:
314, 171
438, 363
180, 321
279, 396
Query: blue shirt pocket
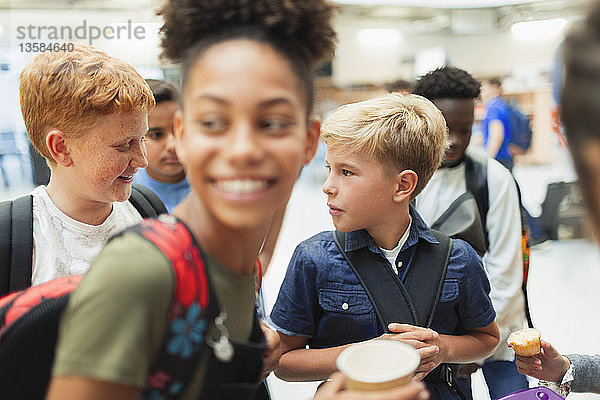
449, 291
344, 301
347, 316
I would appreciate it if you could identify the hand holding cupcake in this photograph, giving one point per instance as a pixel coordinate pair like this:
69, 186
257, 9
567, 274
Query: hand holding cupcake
536, 357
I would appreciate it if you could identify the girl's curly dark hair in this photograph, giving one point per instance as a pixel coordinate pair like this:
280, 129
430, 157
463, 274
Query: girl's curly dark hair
301, 30
304, 23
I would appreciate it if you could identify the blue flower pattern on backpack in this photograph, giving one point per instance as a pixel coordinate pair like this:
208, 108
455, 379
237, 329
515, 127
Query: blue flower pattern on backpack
175, 388
188, 332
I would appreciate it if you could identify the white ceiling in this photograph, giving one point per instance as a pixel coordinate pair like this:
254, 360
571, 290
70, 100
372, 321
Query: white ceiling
438, 3
416, 16
130, 4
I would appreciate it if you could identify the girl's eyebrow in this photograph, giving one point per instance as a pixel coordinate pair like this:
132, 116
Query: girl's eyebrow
276, 101
209, 97
266, 103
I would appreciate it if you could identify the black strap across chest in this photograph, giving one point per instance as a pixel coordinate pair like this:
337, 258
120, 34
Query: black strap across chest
413, 301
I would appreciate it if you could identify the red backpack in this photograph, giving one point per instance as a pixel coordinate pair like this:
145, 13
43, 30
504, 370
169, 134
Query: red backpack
29, 319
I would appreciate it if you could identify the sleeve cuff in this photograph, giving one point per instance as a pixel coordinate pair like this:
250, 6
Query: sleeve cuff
274, 326
562, 388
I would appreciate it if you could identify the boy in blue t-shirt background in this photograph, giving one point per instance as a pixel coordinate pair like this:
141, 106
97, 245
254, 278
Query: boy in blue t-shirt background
380, 155
164, 174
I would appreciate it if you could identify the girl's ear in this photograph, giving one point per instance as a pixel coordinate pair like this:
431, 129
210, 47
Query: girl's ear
179, 131
56, 141
406, 183
313, 131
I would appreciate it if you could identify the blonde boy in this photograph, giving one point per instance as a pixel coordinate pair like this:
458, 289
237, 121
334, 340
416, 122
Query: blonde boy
87, 114
380, 155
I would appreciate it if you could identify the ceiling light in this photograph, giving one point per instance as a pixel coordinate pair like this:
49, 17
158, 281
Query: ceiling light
536, 30
379, 37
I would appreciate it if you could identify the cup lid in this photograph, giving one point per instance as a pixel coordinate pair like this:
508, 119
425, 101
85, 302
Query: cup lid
378, 361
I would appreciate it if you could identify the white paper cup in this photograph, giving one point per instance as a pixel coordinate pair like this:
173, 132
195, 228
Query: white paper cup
378, 364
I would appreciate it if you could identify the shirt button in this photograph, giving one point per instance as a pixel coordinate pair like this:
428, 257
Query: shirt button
399, 264
345, 306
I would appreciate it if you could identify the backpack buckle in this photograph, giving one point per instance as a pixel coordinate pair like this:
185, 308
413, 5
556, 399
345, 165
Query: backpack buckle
446, 375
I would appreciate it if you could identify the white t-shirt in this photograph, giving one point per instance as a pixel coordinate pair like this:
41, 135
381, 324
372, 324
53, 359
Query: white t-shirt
63, 246
504, 259
392, 254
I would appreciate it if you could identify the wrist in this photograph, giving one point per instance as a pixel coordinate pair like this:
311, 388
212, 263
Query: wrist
565, 364
562, 382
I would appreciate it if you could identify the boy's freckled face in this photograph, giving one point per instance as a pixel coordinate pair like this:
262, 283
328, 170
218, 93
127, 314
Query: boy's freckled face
163, 163
106, 156
244, 136
359, 194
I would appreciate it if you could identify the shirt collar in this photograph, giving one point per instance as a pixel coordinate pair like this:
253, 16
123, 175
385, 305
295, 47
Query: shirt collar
356, 240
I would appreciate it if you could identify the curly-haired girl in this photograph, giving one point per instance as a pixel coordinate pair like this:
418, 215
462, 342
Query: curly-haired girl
243, 135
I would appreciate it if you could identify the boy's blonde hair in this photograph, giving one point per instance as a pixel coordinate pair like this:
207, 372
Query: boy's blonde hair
400, 131
67, 91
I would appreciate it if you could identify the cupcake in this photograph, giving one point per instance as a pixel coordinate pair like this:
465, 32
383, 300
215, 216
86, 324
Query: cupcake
525, 342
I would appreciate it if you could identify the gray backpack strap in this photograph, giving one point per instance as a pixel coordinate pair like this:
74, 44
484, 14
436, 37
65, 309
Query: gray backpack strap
16, 244
476, 182
146, 202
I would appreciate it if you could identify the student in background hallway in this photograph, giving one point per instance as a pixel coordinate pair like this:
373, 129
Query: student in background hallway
454, 92
164, 174
496, 124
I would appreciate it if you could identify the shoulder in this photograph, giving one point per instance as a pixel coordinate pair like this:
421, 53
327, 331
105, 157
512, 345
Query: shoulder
500, 180
130, 275
497, 171
315, 256
128, 263
320, 241
463, 258
41, 201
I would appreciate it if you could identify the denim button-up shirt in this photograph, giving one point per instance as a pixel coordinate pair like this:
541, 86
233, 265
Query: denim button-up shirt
322, 299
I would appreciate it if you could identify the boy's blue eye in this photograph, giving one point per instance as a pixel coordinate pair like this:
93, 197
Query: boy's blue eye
345, 172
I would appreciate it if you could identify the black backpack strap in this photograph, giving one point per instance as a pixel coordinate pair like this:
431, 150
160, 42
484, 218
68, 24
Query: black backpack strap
147, 203
5, 242
476, 182
414, 305
16, 244
425, 278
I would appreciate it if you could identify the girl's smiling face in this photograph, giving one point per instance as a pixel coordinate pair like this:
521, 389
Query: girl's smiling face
243, 134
